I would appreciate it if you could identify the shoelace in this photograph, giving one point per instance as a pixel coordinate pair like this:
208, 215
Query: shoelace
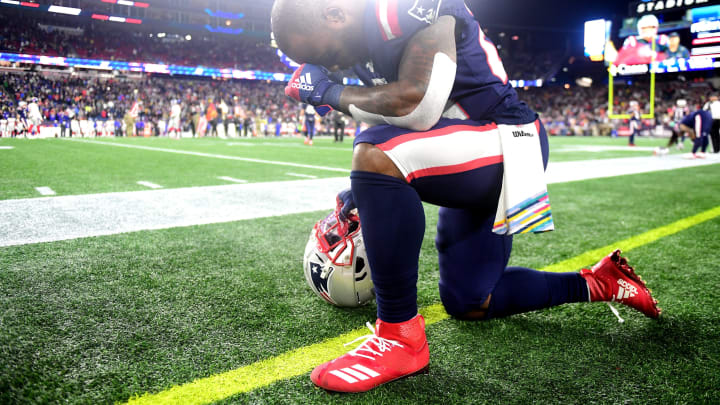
381, 344
615, 312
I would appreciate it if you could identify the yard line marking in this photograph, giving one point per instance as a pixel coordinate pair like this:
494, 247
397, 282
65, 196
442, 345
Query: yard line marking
45, 191
232, 179
302, 360
77, 216
6, 147
210, 155
634, 242
150, 185
305, 176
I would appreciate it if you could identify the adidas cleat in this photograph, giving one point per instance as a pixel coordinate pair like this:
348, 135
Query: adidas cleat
613, 280
392, 352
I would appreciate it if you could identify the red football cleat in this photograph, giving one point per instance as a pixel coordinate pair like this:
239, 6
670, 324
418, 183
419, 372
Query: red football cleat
393, 351
614, 280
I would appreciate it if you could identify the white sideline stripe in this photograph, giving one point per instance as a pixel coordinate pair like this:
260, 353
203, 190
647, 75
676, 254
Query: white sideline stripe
232, 179
211, 155
46, 191
38, 220
305, 176
355, 374
371, 373
6, 147
340, 374
150, 185
600, 148
563, 172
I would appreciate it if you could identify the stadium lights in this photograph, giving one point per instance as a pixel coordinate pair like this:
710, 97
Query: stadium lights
65, 10
127, 3
188, 37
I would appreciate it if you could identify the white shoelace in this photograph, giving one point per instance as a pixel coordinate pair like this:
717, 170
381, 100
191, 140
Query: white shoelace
615, 312
382, 344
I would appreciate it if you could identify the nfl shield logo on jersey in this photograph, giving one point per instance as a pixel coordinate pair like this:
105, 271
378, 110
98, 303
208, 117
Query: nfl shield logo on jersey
425, 10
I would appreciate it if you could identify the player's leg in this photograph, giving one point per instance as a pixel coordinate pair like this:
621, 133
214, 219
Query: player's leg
474, 280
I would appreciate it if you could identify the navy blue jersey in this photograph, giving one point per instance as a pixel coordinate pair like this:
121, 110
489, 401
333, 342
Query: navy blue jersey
481, 87
700, 121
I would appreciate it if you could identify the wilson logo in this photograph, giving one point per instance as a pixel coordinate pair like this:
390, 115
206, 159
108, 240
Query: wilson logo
520, 134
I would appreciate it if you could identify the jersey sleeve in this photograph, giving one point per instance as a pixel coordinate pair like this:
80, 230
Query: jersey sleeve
399, 20
390, 24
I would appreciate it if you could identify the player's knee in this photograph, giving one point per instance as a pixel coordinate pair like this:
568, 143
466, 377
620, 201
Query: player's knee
369, 158
462, 307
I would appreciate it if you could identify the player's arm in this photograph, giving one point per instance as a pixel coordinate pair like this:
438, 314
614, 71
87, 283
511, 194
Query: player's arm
686, 129
425, 79
416, 101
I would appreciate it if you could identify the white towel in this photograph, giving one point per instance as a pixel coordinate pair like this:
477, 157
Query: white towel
524, 205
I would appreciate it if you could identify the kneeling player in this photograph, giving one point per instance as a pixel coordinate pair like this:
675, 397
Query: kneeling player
422, 60
698, 124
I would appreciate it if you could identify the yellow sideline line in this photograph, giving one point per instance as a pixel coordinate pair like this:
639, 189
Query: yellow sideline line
302, 360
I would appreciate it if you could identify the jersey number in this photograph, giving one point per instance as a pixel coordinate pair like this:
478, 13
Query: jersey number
493, 59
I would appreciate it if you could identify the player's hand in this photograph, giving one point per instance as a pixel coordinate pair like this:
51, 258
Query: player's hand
311, 84
346, 206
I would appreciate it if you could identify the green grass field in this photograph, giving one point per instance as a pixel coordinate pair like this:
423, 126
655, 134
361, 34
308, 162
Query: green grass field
100, 320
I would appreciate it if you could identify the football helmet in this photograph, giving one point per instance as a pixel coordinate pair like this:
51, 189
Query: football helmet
335, 263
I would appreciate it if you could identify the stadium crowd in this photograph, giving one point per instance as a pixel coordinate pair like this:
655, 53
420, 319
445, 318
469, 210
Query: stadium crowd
584, 110
251, 105
92, 40
261, 108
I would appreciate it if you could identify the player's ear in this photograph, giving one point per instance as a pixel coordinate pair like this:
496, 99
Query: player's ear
334, 15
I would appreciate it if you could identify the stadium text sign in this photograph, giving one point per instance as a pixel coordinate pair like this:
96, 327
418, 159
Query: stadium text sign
646, 7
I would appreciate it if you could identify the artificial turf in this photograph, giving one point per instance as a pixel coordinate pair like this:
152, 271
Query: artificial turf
98, 320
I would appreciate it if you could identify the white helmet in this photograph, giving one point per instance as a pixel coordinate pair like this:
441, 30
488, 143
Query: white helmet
648, 21
336, 265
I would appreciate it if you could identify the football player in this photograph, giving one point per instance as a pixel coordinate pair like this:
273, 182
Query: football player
436, 92
698, 124
635, 121
638, 50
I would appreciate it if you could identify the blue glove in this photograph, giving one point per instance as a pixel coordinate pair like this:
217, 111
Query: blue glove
345, 204
311, 84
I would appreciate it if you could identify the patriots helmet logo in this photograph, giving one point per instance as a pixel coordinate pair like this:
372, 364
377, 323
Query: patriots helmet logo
425, 10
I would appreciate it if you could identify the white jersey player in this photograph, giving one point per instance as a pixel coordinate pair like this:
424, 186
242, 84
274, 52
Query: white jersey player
174, 126
35, 119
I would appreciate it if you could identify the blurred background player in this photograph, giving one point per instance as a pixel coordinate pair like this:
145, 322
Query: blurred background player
698, 124
175, 125
638, 50
4, 122
714, 107
35, 119
338, 120
309, 124
675, 49
677, 114
635, 121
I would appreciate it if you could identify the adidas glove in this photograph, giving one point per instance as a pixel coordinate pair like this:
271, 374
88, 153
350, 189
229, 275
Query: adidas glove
311, 84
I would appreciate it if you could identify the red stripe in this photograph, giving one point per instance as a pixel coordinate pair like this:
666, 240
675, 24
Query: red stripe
537, 126
463, 167
100, 17
26, 4
393, 18
377, 14
133, 21
412, 136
